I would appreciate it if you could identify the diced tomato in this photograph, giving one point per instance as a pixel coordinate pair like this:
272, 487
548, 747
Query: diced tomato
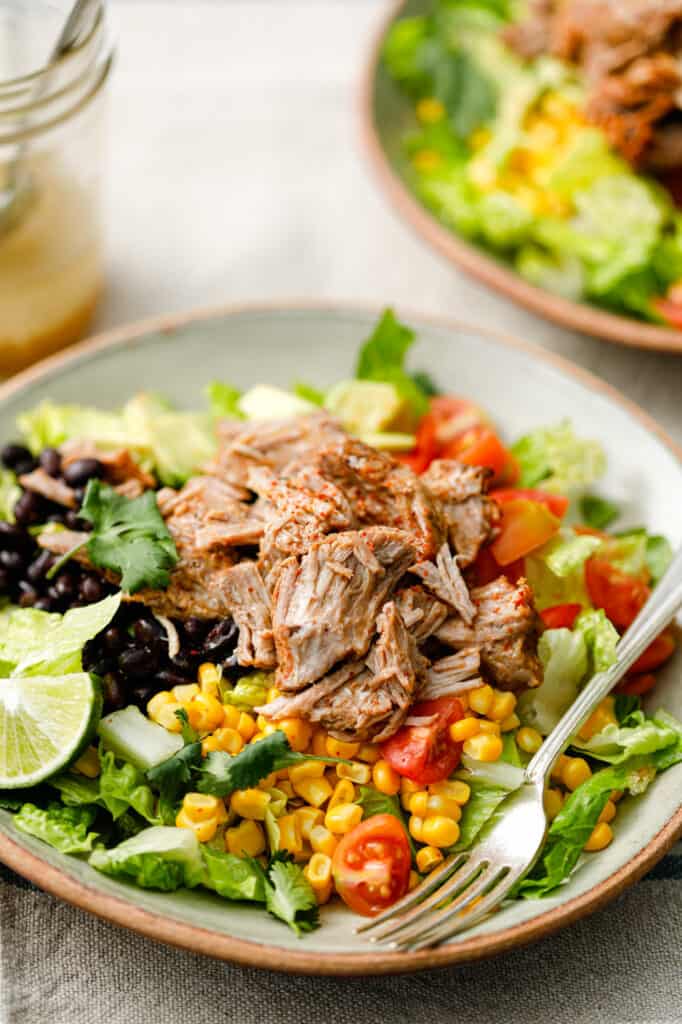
556, 503
620, 595
525, 526
560, 616
656, 653
426, 753
637, 686
480, 446
426, 447
485, 569
670, 311
371, 865
452, 416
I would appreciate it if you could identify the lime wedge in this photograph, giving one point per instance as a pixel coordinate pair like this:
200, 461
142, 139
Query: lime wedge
45, 721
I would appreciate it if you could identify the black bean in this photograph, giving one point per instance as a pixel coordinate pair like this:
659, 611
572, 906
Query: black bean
13, 538
186, 661
28, 595
14, 454
113, 640
113, 691
91, 589
146, 632
43, 604
39, 566
222, 639
51, 461
141, 694
74, 521
137, 661
26, 466
80, 471
64, 585
195, 629
166, 678
12, 561
5, 580
29, 509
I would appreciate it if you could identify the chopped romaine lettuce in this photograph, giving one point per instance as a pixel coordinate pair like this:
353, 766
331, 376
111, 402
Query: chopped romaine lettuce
478, 811
598, 512
46, 643
556, 571
659, 555
123, 787
308, 392
131, 736
641, 735
600, 636
565, 661
65, 828
382, 358
9, 492
567, 554
558, 460
159, 857
223, 401
48, 425
233, 878
555, 272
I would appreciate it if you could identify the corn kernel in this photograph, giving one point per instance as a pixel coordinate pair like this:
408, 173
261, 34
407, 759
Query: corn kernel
209, 744
355, 772
489, 728
511, 722
308, 819
370, 753
413, 881
203, 830
427, 160
306, 770
209, 676
229, 740
256, 737
298, 732
167, 717
158, 701
428, 858
319, 743
601, 717
529, 740
575, 772
250, 803
290, 837
415, 827
285, 786
502, 706
430, 110
385, 778
185, 692
558, 769
407, 788
419, 803
231, 716
600, 838
453, 789
205, 713
344, 793
88, 763
443, 805
269, 782
246, 726
608, 812
484, 748
337, 748
481, 699
465, 729
246, 840
440, 831
322, 840
200, 806
617, 794
553, 802
343, 817
314, 791
318, 871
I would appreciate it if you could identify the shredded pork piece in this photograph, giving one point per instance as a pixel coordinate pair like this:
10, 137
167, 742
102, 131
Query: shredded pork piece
119, 465
454, 674
445, 581
422, 613
249, 602
470, 515
40, 482
320, 615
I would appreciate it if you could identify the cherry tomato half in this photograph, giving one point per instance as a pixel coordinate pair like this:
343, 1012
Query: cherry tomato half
656, 653
371, 865
670, 311
525, 526
637, 686
620, 595
556, 503
480, 446
425, 753
560, 616
425, 449
485, 569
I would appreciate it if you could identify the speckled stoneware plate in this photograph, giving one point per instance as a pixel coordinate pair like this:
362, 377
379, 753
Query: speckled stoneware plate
522, 387
386, 114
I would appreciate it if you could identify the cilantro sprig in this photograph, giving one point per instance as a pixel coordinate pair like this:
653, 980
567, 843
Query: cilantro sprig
129, 537
289, 895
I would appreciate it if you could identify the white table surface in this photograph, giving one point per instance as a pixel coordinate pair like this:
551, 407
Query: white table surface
236, 173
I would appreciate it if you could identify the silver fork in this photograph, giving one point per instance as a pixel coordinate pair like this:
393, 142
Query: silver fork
470, 885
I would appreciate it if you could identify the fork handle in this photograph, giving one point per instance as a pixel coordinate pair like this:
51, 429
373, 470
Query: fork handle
653, 617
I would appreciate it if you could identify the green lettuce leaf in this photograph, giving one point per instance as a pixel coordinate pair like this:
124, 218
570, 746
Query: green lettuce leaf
565, 662
157, 858
48, 425
598, 512
123, 787
556, 459
233, 878
290, 897
223, 401
477, 811
642, 735
65, 828
601, 638
46, 643
555, 272
556, 572
9, 492
76, 790
307, 392
659, 555
382, 358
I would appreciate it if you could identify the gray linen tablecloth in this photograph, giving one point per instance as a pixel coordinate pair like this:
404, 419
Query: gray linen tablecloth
236, 175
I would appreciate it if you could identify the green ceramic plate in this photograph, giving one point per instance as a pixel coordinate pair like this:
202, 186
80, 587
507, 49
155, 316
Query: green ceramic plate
522, 387
387, 115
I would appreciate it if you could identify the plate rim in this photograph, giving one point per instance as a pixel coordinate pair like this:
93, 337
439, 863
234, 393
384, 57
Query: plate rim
473, 260
125, 913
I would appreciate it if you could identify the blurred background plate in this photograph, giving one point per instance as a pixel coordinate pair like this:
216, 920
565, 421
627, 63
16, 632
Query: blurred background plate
522, 387
386, 114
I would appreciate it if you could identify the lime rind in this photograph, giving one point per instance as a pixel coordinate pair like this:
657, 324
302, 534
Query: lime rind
45, 722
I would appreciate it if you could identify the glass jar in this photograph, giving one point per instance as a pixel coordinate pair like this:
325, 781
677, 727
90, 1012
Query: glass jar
51, 152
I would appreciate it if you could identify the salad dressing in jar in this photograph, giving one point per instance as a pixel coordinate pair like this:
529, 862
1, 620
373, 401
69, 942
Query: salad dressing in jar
50, 162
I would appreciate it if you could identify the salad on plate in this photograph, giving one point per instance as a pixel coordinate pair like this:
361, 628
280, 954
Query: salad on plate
297, 647
549, 132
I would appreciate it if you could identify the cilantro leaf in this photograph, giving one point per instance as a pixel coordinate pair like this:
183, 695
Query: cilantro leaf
129, 537
221, 773
289, 895
382, 358
173, 776
189, 735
